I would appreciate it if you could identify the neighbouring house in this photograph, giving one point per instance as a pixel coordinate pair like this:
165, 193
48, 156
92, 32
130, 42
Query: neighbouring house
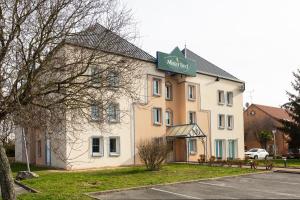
193, 104
265, 118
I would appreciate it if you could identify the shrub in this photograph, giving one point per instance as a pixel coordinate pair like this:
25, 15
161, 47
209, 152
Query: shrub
201, 158
153, 153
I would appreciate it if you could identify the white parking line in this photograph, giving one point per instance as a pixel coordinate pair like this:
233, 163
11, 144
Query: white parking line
174, 193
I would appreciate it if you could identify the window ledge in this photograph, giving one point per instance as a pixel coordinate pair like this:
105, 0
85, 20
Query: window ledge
169, 99
221, 128
193, 153
156, 95
114, 154
221, 104
97, 155
192, 99
230, 129
229, 105
157, 124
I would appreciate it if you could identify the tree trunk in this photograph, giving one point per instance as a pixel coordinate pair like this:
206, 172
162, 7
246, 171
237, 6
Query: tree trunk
6, 179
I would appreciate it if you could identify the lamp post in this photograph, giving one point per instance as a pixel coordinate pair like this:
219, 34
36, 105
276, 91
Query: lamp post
274, 140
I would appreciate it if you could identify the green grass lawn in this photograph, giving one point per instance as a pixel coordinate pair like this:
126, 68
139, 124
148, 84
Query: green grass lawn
73, 185
280, 163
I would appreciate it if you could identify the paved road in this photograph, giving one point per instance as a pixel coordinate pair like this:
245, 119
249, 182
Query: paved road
257, 186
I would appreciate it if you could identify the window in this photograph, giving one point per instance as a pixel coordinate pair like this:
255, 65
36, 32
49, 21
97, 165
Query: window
113, 79
156, 87
221, 121
221, 98
168, 91
95, 115
229, 98
114, 146
95, 75
219, 149
232, 149
97, 146
157, 116
39, 148
230, 122
169, 118
113, 113
192, 92
192, 117
192, 146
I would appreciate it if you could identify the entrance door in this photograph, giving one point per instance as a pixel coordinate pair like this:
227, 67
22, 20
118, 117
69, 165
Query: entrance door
180, 150
48, 152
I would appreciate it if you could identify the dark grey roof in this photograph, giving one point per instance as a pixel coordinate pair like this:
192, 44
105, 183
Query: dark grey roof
101, 38
207, 67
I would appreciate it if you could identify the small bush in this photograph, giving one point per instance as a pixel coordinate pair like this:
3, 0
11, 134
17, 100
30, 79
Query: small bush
201, 158
153, 153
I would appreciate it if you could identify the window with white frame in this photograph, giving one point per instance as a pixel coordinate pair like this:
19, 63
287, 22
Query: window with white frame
168, 91
95, 113
156, 87
191, 92
221, 97
230, 122
232, 149
97, 146
113, 113
169, 118
221, 121
114, 146
95, 75
157, 116
192, 146
219, 149
192, 117
229, 98
113, 79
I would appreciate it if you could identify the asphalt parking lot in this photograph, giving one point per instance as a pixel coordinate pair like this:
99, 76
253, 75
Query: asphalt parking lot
255, 186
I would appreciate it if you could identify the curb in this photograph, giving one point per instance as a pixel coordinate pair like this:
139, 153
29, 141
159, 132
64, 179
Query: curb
91, 194
286, 171
29, 189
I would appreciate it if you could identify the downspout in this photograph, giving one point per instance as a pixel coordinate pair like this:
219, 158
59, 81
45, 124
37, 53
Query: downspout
133, 132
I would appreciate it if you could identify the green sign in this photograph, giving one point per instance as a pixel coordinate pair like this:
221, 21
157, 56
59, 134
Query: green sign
176, 62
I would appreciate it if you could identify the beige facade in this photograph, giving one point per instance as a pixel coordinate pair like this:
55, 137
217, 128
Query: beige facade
167, 100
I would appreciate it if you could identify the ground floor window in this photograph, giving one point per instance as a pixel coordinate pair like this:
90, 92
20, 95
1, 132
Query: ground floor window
114, 146
193, 146
219, 149
232, 149
97, 146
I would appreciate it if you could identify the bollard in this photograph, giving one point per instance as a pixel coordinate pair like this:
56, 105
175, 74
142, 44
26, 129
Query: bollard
284, 161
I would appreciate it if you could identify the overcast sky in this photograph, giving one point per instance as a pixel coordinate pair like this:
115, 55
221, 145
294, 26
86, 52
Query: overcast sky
257, 41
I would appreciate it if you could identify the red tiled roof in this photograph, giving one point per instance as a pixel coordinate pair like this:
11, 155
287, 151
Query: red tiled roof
274, 112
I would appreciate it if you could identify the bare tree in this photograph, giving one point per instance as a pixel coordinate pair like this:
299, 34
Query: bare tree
153, 153
45, 74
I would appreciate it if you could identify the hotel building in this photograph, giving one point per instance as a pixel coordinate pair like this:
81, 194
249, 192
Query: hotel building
193, 104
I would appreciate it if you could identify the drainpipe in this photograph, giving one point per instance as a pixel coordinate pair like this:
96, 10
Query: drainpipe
133, 132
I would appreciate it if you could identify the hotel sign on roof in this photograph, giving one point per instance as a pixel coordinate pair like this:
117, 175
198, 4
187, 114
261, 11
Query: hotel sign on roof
176, 62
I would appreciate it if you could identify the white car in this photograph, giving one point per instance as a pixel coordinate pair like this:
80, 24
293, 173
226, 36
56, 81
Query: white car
257, 153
